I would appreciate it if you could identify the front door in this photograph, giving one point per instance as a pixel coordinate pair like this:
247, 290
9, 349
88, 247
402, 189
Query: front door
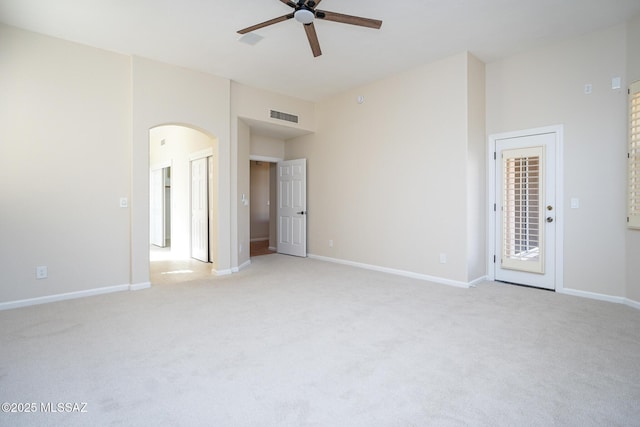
292, 207
525, 220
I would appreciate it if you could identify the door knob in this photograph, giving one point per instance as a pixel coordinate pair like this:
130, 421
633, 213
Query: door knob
301, 213
549, 219
549, 208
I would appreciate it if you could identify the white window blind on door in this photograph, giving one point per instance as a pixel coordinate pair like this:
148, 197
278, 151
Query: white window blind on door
634, 156
522, 206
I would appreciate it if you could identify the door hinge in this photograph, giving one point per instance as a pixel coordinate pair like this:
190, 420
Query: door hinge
494, 155
494, 259
494, 207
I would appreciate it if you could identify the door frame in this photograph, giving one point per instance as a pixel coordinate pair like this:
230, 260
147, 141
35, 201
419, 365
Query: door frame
198, 155
273, 184
558, 130
153, 168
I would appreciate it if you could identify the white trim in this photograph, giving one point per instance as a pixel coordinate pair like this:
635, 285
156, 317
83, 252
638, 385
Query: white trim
241, 266
403, 273
559, 190
265, 159
225, 272
631, 303
259, 239
273, 248
591, 295
201, 154
140, 286
476, 282
62, 297
601, 297
161, 165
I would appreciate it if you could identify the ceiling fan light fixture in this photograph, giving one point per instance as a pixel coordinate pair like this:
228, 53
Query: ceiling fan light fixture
304, 16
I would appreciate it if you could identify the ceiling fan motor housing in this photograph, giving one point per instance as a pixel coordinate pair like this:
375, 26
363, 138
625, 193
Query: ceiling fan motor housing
304, 15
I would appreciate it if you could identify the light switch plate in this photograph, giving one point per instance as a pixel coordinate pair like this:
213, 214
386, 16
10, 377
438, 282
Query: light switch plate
124, 202
575, 203
616, 83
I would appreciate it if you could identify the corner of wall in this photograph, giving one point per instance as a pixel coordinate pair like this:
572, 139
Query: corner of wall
476, 167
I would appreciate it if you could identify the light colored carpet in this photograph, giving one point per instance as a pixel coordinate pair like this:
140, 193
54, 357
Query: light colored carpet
300, 342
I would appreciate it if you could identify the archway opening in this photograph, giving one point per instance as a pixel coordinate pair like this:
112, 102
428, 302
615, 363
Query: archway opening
182, 207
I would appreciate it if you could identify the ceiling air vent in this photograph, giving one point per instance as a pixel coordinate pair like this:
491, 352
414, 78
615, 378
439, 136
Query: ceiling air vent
284, 116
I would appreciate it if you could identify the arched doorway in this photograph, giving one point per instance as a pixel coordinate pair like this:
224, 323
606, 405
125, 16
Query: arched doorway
181, 205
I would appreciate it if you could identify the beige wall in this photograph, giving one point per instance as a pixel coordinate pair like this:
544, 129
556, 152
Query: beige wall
250, 104
75, 139
387, 179
242, 225
255, 104
476, 169
65, 162
633, 236
394, 181
165, 94
266, 146
180, 143
546, 87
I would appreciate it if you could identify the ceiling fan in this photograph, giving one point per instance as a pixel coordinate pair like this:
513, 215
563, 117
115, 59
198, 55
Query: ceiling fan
305, 12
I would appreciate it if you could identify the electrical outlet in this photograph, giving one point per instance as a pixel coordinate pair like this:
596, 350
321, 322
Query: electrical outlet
330, 243
240, 248
41, 272
443, 258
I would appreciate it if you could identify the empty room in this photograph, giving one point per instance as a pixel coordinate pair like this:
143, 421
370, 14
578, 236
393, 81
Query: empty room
446, 196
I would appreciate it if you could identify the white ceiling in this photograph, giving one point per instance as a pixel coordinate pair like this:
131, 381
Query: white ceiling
201, 34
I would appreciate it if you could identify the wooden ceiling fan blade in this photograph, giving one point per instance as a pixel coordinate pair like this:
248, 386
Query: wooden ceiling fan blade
289, 3
313, 39
265, 24
348, 19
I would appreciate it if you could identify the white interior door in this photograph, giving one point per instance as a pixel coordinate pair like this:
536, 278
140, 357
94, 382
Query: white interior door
199, 210
157, 201
525, 220
292, 207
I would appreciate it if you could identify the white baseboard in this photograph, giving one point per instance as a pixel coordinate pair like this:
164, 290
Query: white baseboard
631, 303
403, 273
62, 297
242, 266
140, 286
476, 282
591, 295
273, 248
600, 297
259, 239
225, 272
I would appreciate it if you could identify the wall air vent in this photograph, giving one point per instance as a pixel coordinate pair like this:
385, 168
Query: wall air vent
284, 116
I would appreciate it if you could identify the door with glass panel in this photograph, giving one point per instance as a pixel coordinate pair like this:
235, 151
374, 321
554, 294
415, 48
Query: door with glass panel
526, 210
